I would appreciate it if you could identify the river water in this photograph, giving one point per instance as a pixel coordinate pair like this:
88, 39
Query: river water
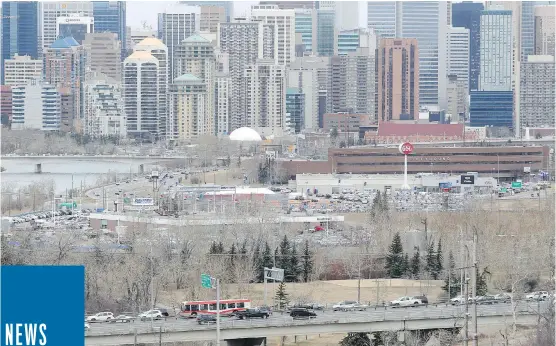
21, 171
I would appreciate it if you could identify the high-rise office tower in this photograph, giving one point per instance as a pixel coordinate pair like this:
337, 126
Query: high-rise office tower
457, 99
103, 53
295, 109
398, 79
110, 16
291, 5
493, 103
177, 23
141, 95
458, 54
244, 44
425, 21
195, 56
545, 30
284, 23
536, 92
20, 31
74, 25
352, 83
306, 27
227, 5
103, 106
496, 51
310, 75
50, 11
347, 15
160, 52
20, 70
211, 16
351, 40
64, 68
468, 15
36, 106
326, 32
265, 84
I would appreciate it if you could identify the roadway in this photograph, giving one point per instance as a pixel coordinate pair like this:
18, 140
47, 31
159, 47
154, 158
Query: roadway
423, 317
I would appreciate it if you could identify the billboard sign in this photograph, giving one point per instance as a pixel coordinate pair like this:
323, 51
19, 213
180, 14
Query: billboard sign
445, 185
467, 179
406, 148
142, 201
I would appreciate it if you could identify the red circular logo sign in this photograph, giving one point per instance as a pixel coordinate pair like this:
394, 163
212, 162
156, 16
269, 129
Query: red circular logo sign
406, 148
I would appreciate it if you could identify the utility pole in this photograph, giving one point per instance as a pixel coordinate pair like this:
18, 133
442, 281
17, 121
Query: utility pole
474, 277
359, 282
466, 325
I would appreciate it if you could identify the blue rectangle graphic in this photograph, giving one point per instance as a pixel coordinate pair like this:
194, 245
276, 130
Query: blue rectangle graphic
42, 305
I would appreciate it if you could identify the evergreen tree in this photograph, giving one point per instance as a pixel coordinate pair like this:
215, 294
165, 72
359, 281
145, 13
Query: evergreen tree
452, 281
213, 248
384, 202
482, 287
439, 267
265, 261
232, 253
307, 264
282, 296
406, 267
220, 248
415, 264
395, 258
258, 263
375, 207
356, 339
430, 266
283, 260
294, 266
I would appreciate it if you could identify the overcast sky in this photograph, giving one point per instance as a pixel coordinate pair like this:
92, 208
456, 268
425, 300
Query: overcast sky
139, 11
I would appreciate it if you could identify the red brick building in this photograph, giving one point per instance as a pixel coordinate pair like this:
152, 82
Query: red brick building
391, 132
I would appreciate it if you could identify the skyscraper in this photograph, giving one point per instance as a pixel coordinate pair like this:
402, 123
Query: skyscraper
352, 83
160, 52
141, 95
103, 53
20, 31
536, 92
36, 106
222, 92
110, 16
295, 108
458, 54
284, 22
347, 15
211, 16
468, 15
496, 51
195, 56
177, 23
227, 5
265, 85
244, 44
22, 69
103, 106
425, 21
398, 82
306, 26
64, 68
351, 40
50, 11
188, 96
326, 32
545, 30
74, 25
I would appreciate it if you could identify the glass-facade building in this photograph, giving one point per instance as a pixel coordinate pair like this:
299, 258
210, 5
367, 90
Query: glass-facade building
468, 15
295, 106
110, 16
304, 26
326, 34
491, 108
496, 51
381, 16
348, 41
20, 30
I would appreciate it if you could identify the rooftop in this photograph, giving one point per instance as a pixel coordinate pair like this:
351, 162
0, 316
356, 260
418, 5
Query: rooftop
196, 38
410, 129
187, 78
63, 43
151, 42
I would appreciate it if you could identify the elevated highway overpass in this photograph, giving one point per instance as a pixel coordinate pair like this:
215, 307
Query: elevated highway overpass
412, 319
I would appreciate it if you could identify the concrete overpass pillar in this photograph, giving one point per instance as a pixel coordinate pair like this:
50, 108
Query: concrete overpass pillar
38, 168
246, 342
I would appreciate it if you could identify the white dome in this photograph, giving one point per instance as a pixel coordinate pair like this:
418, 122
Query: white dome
245, 134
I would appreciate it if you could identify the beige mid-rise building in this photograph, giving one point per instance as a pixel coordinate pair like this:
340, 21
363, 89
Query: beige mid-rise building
211, 16
21, 69
398, 79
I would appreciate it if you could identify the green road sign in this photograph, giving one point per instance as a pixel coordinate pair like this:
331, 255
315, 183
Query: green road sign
206, 281
503, 190
516, 184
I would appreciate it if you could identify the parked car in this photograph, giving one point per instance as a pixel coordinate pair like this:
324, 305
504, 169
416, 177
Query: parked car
122, 318
151, 314
299, 313
101, 317
457, 300
345, 305
423, 298
487, 299
539, 295
252, 313
87, 326
406, 301
309, 306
